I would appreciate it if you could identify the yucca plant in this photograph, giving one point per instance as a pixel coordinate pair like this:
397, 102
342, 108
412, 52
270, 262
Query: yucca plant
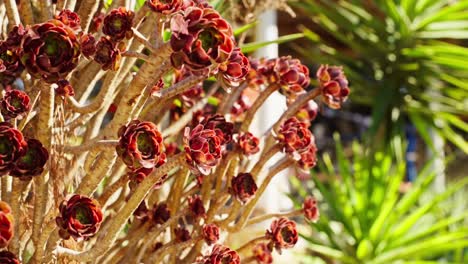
405, 58
366, 219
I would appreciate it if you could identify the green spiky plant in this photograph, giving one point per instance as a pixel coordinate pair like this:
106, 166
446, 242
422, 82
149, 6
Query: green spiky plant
365, 219
404, 59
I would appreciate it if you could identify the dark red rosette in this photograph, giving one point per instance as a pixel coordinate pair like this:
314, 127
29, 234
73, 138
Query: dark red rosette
283, 233
70, 19
10, 64
308, 159
333, 84
142, 212
310, 208
88, 45
6, 257
181, 234
202, 148
243, 186
118, 24
80, 217
254, 77
295, 136
50, 50
15, 104
262, 253
96, 23
64, 88
165, 7
221, 254
200, 37
219, 124
161, 213
140, 145
308, 113
248, 143
234, 70
12, 146
15, 36
107, 54
32, 162
6, 224
210, 233
196, 206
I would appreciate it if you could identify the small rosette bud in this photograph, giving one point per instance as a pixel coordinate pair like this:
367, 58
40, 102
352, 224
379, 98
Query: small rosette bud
243, 186
64, 88
80, 217
283, 233
220, 254
107, 54
15, 104
118, 24
161, 213
181, 234
88, 45
70, 19
248, 143
196, 206
235, 70
12, 146
262, 253
210, 233
295, 136
310, 208
333, 84
165, 7
32, 162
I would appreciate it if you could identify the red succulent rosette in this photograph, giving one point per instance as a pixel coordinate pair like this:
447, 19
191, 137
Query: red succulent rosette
10, 64
140, 145
295, 136
64, 88
262, 253
243, 186
200, 37
283, 233
333, 84
80, 217
118, 24
196, 206
165, 7
220, 254
248, 143
234, 70
32, 162
12, 146
161, 213
15, 36
50, 50
6, 257
308, 159
210, 233
70, 19
88, 45
15, 104
310, 208
202, 148
6, 224
181, 234
219, 124
107, 54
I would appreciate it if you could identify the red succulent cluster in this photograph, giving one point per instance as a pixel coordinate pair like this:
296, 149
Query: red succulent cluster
308, 159
200, 37
10, 64
210, 233
6, 224
243, 186
165, 7
6, 257
64, 88
333, 85
140, 145
295, 136
181, 234
248, 143
50, 50
161, 213
118, 24
88, 45
107, 54
219, 124
234, 70
32, 162
203, 148
262, 253
196, 206
282, 233
70, 19
15, 104
12, 146
80, 217
310, 208
221, 255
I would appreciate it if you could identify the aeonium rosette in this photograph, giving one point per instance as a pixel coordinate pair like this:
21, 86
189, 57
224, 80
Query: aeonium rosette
200, 38
15, 104
118, 24
295, 137
32, 162
6, 224
10, 64
165, 7
333, 85
80, 217
140, 145
12, 146
220, 255
50, 50
282, 233
234, 70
